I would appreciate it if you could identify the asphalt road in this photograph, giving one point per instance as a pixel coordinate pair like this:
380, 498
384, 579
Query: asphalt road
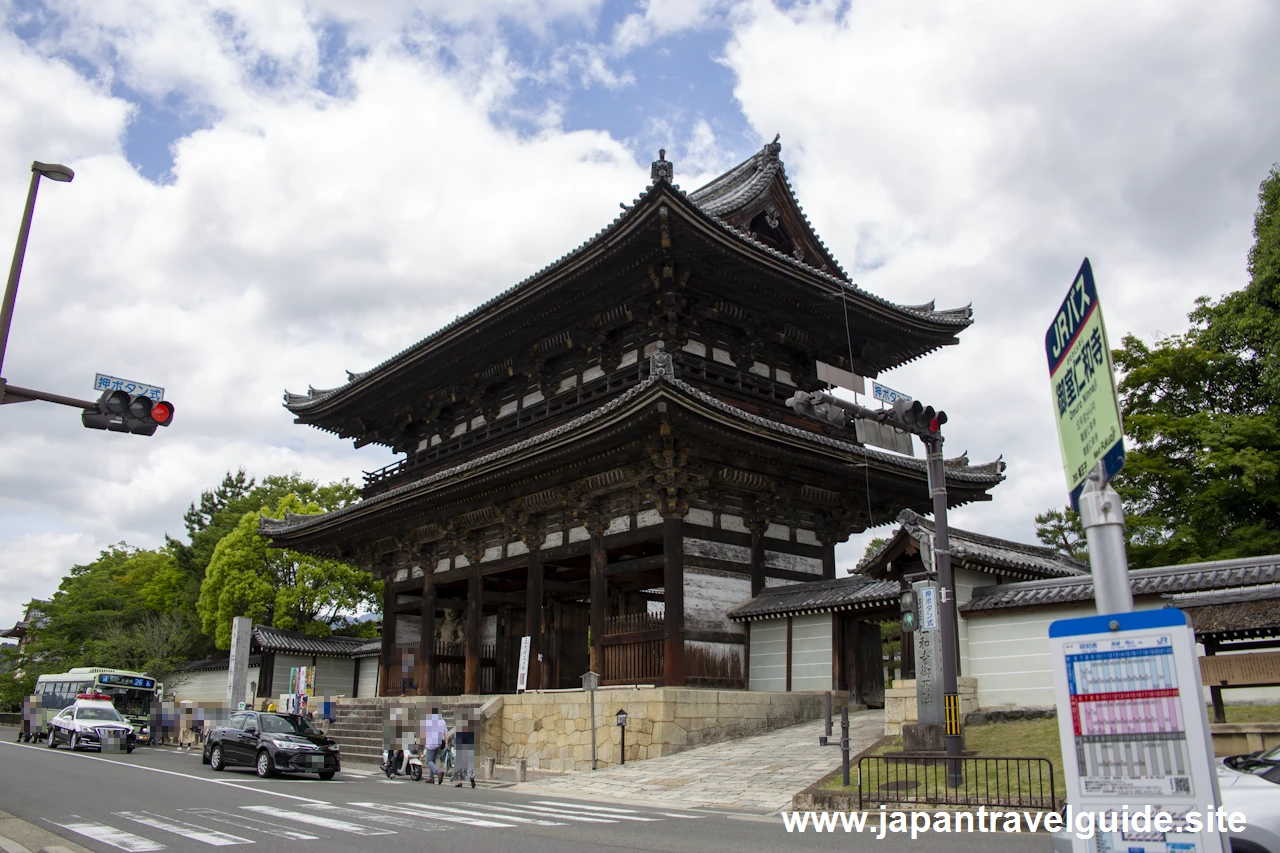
160, 799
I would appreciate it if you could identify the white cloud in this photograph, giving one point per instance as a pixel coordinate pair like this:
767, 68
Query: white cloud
299, 235
663, 18
976, 152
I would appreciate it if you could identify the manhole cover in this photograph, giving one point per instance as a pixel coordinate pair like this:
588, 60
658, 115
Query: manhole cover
904, 785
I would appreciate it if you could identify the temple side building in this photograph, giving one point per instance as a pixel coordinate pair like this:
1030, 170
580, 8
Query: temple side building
600, 458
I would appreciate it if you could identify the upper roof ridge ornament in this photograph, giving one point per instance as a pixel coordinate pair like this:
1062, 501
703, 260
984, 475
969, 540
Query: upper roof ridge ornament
774, 148
661, 363
662, 168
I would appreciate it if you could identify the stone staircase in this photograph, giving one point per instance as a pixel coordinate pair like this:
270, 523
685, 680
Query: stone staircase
358, 725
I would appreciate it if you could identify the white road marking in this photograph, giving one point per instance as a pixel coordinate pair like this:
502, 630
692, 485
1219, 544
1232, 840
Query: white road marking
83, 757
586, 818
418, 822
469, 811
253, 824
421, 811
317, 820
609, 810
186, 830
112, 836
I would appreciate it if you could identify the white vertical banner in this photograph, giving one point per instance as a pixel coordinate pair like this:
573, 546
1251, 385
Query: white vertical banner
522, 677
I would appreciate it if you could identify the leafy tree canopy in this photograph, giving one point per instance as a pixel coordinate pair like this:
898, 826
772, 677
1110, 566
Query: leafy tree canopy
279, 587
105, 613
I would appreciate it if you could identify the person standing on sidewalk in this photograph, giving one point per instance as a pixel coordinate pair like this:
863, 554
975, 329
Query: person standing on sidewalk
434, 731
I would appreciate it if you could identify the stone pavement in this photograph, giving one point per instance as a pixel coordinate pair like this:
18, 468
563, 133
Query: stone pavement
757, 773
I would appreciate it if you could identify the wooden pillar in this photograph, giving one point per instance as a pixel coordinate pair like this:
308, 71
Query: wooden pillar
828, 558
757, 557
427, 645
599, 603
673, 598
1215, 693
533, 616
475, 595
386, 675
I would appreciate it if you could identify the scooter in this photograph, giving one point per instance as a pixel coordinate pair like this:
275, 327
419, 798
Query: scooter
391, 767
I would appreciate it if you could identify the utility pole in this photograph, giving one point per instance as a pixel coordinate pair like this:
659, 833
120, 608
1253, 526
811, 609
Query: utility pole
923, 421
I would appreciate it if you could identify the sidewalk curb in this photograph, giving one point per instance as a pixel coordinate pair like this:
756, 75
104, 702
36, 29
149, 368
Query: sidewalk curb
38, 838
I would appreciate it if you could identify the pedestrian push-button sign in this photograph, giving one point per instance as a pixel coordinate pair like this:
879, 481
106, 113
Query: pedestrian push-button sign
1084, 386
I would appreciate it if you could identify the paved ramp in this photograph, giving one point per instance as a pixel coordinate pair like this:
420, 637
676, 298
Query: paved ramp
757, 773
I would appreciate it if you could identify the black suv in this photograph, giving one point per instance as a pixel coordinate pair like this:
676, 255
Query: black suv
271, 742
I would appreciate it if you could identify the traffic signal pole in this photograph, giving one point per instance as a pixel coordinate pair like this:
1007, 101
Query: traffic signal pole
950, 627
927, 425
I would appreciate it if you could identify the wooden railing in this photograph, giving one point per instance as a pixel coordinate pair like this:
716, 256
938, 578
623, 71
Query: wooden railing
633, 662
632, 622
451, 669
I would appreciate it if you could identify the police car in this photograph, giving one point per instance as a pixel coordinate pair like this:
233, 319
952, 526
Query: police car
92, 722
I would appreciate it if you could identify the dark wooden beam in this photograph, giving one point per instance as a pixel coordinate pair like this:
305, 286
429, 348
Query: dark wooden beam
388, 639
757, 560
673, 595
598, 601
533, 619
427, 642
475, 589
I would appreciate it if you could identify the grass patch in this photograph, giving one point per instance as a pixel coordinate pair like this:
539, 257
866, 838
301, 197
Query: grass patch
1251, 714
1019, 739
1014, 739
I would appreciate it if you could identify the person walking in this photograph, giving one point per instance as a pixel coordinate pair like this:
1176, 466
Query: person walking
434, 732
464, 754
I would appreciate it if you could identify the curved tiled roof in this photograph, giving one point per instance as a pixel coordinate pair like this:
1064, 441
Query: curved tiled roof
974, 550
276, 640
959, 317
848, 593
1193, 577
979, 475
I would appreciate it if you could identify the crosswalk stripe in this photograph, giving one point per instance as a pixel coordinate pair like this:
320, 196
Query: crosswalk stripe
387, 819
590, 818
186, 830
420, 812
607, 809
112, 836
579, 818
445, 810
252, 824
317, 820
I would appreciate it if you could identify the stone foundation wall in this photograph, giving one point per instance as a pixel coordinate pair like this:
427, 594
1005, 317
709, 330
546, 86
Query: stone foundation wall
551, 730
900, 702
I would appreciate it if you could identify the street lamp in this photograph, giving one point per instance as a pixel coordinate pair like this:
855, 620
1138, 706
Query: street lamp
622, 724
55, 172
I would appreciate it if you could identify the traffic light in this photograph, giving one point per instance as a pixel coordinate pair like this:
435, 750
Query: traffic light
119, 411
910, 608
811, 404
914, 417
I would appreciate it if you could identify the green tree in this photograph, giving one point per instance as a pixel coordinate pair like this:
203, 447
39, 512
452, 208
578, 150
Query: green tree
280, 587
1202, 467
873, 548
1061, 530
105, 613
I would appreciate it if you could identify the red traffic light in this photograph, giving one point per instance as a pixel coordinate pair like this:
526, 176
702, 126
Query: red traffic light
162, 413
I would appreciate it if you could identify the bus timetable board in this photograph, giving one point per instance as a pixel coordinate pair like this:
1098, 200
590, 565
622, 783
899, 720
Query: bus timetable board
1133, 725
126, 681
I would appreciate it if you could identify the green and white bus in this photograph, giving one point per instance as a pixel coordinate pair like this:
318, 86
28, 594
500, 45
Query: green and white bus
132, 693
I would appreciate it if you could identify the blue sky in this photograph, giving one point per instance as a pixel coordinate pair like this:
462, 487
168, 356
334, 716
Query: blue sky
279, 192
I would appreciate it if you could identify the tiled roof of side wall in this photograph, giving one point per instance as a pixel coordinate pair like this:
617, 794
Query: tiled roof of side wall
979, 476
1221, 574
960, 317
